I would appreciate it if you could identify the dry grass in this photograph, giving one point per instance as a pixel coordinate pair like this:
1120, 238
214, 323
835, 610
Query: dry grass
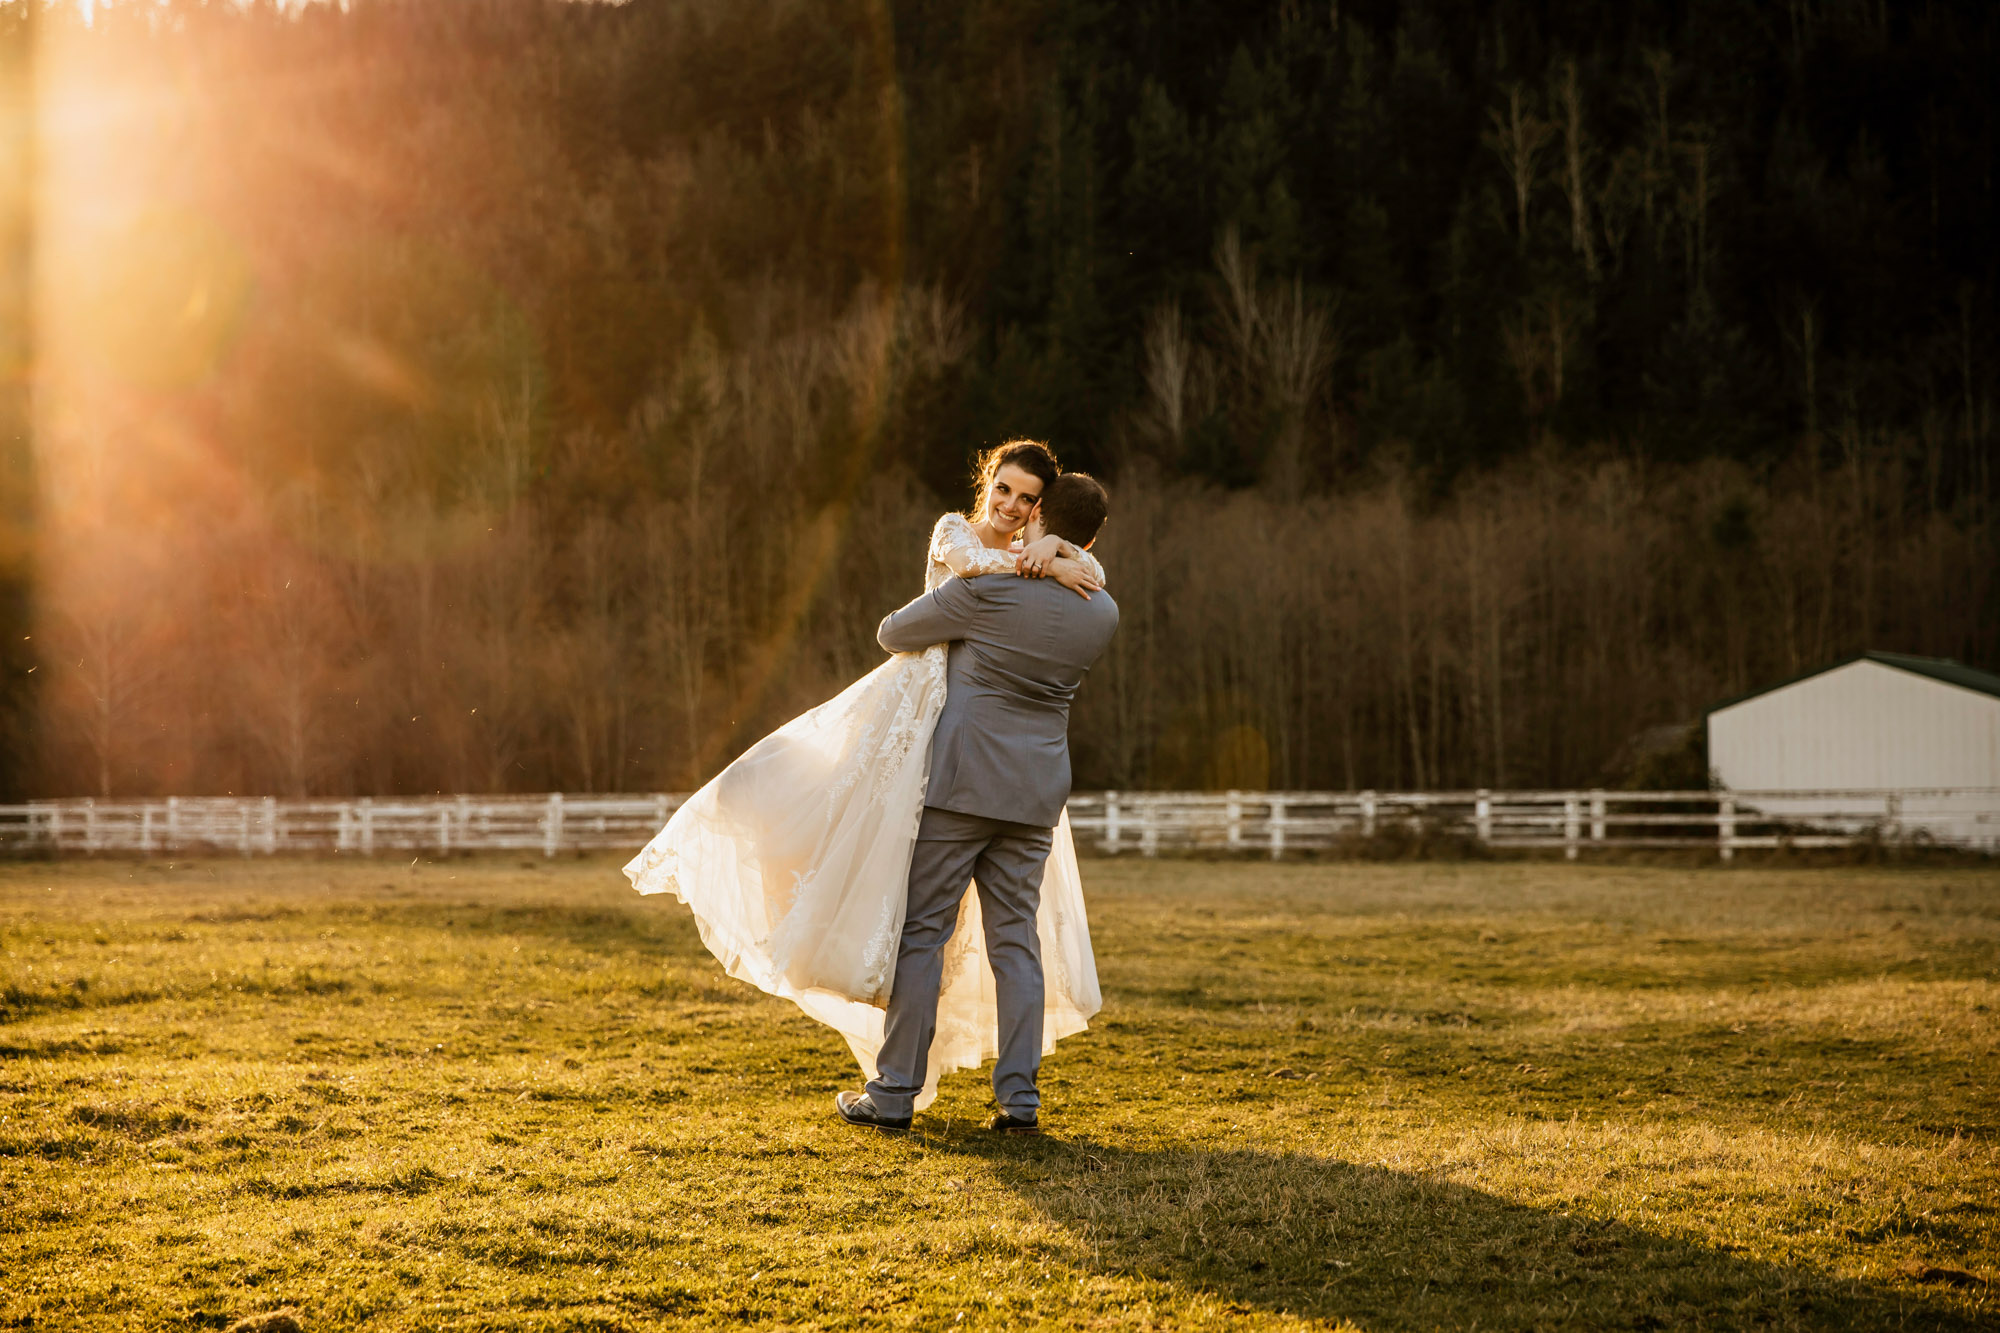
1516, 1096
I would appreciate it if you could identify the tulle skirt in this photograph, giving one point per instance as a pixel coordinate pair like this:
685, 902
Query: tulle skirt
795, 861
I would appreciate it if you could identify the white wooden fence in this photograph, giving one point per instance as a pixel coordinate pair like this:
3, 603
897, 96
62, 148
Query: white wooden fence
1109, 823
1274, 823
268, 826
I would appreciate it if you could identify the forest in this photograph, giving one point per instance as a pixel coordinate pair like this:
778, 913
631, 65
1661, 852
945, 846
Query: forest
514, 395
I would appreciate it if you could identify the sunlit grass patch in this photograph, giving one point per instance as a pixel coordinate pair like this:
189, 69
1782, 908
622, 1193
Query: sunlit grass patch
471, 1094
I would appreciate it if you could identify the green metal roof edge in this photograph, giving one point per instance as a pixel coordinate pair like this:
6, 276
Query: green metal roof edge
1936, 668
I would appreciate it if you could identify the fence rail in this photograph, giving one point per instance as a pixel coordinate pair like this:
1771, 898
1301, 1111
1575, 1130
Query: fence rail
268, 826
1109, 823
1275, 823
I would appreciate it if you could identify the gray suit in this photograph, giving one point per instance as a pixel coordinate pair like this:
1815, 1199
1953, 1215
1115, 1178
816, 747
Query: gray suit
999, 777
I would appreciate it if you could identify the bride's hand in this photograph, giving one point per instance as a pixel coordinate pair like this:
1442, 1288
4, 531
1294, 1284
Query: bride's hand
1035, 558
1074, 575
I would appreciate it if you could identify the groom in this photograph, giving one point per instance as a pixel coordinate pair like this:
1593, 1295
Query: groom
999, 776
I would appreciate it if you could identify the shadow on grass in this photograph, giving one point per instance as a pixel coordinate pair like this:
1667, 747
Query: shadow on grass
1385, 1249
638, 931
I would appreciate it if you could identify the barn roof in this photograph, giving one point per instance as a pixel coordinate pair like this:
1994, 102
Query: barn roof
1937, 668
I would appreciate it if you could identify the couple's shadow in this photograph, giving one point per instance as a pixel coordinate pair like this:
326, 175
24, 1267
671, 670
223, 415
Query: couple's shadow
1329, 1240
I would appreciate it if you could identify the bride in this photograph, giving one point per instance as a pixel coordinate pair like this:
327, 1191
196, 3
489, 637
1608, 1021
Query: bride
795, 859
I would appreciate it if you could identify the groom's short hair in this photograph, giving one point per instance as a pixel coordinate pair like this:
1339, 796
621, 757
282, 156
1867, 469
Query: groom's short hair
1074, 507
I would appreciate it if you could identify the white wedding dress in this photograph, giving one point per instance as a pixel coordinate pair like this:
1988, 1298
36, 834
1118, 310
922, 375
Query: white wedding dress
795, 861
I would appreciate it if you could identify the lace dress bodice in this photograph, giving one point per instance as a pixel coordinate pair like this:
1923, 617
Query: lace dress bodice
954, 533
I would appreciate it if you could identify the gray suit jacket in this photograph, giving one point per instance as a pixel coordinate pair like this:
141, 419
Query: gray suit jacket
1019, 649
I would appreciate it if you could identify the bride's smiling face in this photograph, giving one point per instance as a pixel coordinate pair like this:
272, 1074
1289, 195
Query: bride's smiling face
1011, 498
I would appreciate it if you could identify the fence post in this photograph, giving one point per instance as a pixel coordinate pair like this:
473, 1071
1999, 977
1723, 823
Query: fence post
173, 822
444, 830
1482, 815
270, 826
1367, 814
1892, 809
1597, 815
146, 829
1149, 827
1111, 829
243, 828
1277, 827
1233, 812
660, 811
367, 813
552, 823
1725, 827
1569, 826
90, 823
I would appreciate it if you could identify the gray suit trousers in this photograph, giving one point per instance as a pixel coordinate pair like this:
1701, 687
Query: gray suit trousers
1005, 861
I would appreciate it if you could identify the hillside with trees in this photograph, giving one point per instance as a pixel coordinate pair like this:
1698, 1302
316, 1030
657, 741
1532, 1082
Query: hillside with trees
518, 395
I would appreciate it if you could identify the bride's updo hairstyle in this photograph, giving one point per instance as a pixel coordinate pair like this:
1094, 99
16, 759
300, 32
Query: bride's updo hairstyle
1031, 456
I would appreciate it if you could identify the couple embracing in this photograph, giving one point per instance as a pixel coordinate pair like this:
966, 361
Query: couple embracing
830, 863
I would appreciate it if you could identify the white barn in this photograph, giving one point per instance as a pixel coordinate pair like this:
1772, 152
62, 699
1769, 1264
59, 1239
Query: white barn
1924, 725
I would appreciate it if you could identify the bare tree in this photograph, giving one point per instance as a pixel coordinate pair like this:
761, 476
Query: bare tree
1170, 365
114, 675
1581, 234
503, 594
1806, 344
1298, 348
287, 669
1697, 195
1518, 137
1537, 341
1657, 169
1280, 346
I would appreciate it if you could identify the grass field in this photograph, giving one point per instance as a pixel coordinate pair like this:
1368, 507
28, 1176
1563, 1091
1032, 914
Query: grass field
482, 1094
